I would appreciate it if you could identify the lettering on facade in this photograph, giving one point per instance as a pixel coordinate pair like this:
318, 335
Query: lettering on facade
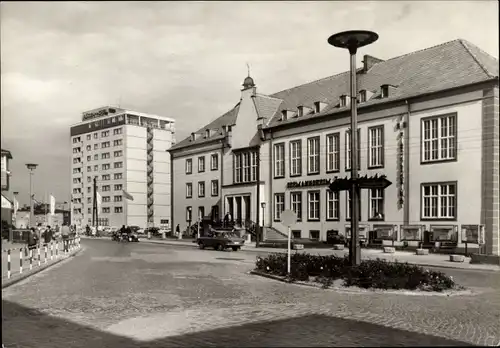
309, 183
401, 166
90, 115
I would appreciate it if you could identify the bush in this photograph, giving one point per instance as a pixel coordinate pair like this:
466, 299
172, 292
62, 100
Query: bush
378, 274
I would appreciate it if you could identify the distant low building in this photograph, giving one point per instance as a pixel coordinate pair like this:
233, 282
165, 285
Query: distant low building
42, 216
5, 173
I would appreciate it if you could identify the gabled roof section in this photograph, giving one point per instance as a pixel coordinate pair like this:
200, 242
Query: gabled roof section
452, 64
6, 153
228, 119
266, 106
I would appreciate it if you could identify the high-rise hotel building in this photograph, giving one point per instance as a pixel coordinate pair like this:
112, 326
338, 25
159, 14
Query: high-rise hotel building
126, 151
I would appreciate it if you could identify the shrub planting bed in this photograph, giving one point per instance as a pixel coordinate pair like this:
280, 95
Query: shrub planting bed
370, 274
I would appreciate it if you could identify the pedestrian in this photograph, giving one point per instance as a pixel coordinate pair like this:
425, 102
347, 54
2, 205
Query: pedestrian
226, 220
177, 230
47, 235
65, 236
32, 240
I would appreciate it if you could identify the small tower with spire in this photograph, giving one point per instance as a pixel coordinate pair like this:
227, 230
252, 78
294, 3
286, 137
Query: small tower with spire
248, 82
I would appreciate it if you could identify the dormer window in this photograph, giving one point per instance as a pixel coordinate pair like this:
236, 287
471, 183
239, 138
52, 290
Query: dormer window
362, 96
384, 91
284, 114
207, 133
224, 129
193, 136
300, 111
343, 100
317, 107
228, 129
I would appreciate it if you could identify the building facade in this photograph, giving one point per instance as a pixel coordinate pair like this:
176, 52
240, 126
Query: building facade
5, 172
127, 152
428, 121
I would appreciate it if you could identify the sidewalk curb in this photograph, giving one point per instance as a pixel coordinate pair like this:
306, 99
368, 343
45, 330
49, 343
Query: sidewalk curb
257, 250
9, 282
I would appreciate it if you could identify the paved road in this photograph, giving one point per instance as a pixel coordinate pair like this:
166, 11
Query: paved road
147, 295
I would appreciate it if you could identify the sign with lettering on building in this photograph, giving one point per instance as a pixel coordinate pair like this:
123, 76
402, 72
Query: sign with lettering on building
470, 233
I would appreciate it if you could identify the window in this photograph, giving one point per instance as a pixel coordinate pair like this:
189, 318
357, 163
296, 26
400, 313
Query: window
189, 190
106, 210
118, 210
332, 205
214, 162
89, 200
118, 187
296, 158
89, 189
89, 168
96, 157
105, 144
117, 131
349, 207
296, 234
376, 204
76, 170
76, 181
201, 189
384, 93
95, 135
313, 205
96, 146
313, 155
118, 153
89, 158
118, 198
117, 142
439, 136
376, 147
105, 155
89, 210
118, 176
296, 204
89, 148
314, 235
76, 150
279, 205
201, 164
106, 177
362, 96
189, 214
96, 168
215, 188
279, 160
106, 187
104, 134
343, 100
89, 179
118, 165
348, 149
245, 166
439, 201
189, 166
106, 199
333, 152
106, 166
89, 136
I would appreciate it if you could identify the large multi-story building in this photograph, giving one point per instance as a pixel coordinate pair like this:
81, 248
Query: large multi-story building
127, 152
428, 121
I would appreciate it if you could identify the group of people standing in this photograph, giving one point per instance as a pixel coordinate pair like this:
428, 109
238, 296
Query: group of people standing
40, 236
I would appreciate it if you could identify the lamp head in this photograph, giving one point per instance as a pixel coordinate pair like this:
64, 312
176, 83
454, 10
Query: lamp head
353, 39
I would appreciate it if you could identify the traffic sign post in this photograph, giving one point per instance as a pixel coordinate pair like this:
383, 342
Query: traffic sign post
288, 218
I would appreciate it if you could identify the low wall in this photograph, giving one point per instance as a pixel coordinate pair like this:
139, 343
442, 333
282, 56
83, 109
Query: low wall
485, 259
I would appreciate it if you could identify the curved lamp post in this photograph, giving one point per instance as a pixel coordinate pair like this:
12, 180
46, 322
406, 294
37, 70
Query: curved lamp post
352, 40
31, 167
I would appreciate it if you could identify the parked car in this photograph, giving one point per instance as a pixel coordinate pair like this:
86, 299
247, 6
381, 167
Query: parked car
221, 240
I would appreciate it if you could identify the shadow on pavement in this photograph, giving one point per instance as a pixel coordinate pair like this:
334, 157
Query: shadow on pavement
24, 327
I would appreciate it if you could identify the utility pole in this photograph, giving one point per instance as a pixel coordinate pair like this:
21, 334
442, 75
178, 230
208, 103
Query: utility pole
31, 167
95, 214
257, 223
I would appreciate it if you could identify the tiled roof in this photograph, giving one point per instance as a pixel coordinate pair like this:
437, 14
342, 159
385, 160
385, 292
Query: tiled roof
266, 106
452, 64
448, 65
228, 119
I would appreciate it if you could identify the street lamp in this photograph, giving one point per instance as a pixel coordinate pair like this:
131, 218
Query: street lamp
352, 40
263, 205
31, 167
14, 216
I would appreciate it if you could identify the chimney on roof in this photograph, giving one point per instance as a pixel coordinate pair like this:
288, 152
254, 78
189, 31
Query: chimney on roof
369, 62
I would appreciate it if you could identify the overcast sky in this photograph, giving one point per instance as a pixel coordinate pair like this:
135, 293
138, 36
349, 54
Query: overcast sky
186, 60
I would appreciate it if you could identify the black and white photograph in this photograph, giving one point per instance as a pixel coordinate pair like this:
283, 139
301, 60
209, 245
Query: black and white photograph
250, 173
